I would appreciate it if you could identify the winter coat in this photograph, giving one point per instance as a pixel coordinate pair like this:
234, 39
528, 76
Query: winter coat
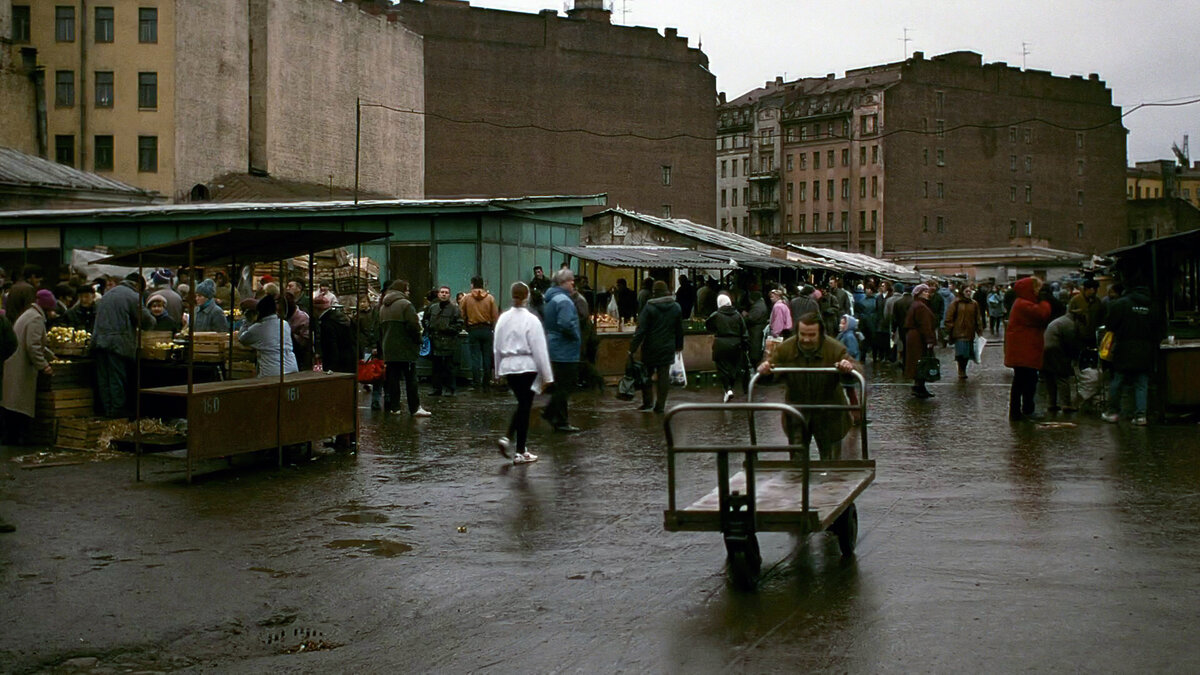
1024, 339
300, 323
781, 319
337, 342
627, 305
920, 335
210, 318
264, 338
400, 330
118, 314
964, 320
82, 317
561, 320
8, 343
443, 323
945, 298
165, 322
479, 308
1136, 332
995, 305
731, 337
519, 346
1091, 310
900, 312
757, 320
849, 338
659, 332
685, 295
815, 388
1062, 346
22, 368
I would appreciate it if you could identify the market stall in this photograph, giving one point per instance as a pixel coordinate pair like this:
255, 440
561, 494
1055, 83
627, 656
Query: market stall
244, 415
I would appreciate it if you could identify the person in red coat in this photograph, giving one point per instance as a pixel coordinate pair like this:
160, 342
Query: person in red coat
920, 336
1023, 344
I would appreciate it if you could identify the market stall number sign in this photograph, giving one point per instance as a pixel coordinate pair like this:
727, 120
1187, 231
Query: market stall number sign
293, 393
212, 405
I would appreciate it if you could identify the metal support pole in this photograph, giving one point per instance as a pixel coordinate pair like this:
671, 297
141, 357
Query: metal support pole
191, 364
357, 142
137, 377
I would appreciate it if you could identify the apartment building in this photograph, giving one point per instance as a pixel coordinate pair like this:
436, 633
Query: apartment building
937, 153
168, 95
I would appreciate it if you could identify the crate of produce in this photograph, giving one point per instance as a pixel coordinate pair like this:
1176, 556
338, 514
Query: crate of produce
156, 337
81, 433
74, 374
68, 342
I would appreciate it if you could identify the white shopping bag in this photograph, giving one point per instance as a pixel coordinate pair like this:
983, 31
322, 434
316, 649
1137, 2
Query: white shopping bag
977, 353
678, 373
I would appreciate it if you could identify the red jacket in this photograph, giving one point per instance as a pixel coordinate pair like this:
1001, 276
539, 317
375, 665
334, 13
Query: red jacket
1025, 337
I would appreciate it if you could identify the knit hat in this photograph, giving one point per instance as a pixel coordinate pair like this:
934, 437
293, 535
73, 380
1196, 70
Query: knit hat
322, 301
45, 300
162, 276
248, 305
815, 295
919, 289
157, 297
898, 287
207, 288
266, 306
723, 301
267, 278
660, 289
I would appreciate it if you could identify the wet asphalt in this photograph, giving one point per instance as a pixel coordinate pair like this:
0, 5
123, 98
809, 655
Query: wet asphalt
984, 546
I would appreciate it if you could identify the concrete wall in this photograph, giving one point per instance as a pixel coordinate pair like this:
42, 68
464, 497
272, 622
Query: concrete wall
17, 108
211, 100
321, 56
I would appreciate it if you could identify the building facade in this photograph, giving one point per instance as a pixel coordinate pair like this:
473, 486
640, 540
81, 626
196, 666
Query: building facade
937, 153
541, 103
168, 94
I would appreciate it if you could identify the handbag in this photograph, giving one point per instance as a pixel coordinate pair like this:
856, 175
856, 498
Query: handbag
426, 346
929, 368
371, 371
633, 380
678, 373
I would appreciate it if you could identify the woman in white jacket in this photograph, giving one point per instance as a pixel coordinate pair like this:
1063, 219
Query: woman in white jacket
520, 355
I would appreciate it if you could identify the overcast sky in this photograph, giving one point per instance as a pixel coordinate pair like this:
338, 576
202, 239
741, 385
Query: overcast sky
1145, 50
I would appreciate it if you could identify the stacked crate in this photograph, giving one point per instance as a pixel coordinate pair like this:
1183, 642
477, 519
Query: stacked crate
66, 393
81, 433
210, 347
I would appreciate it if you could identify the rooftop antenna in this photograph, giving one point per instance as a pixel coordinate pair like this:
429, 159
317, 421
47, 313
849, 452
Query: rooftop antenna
625, 11
1182, 154
904, 41
1024, 52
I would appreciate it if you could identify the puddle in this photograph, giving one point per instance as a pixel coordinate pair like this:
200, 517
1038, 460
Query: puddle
362, 518
379, 547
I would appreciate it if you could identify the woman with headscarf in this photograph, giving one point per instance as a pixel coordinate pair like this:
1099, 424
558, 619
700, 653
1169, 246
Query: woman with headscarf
920, 337
271, 339
520, 355
731, 342
21, 369
780, 324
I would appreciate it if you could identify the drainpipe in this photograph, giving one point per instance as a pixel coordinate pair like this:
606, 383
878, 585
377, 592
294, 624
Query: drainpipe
83, 92
37, 75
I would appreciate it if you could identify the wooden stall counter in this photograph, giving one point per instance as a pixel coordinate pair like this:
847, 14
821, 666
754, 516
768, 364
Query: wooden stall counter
1179, 368
613, 352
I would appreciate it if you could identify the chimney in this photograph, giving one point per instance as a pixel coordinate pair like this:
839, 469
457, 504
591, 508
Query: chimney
590, 10
721, 96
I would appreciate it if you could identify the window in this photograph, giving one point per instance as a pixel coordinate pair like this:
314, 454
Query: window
147, 90
846, 128
789, 222
829, 130
924, 223
1079, 230
766, 163
64, 88
845, 188
724, 223
104, 89
874, 154
941, 190
940, 127
745, 166
1028, 194
874, 186
1129, 192
1156, 192
816, 160
722, 199
829, 159
733, 197
862, 187
64, 24
666, 174
862, 155
941, 224
104, 24
1012, 194
790, 192
862, 220
789, 163
1012, 162
745, 196
868, 124
723, 167
845, 221
1029, 228
803, 225
20, 25
64, 149
816, 190
925, 189
768, 135
1079, 197
803, 190
829, 190
1079, 146
1012, 228
829, 222
1079, 167
874, 219
735, 166
804, 133
1187, 194
734, 228
845, 156
939, 100
803, 161
1028, 163
925, 156
103, 155
1028, 135
941, 157
666, 210
148, 154
789, 134
1012, 138
147, 25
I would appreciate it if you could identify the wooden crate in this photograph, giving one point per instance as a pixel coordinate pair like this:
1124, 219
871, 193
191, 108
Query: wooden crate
154, 337
76, 374
81, 433
57, 403
68, 351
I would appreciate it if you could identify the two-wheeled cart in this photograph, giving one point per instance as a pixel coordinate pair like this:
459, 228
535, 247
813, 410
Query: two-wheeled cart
796, 495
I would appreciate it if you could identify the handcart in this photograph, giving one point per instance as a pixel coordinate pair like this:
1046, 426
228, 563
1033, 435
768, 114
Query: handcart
796, 495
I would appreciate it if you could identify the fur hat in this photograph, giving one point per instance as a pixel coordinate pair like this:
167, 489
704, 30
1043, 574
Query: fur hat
919, 289
207, 288
45, 300
266, 306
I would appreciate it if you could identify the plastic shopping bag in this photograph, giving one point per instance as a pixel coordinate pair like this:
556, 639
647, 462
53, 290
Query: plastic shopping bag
678, 373
977, 353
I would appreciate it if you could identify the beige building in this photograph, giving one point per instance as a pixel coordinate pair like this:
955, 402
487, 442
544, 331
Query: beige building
167, 95
17, 102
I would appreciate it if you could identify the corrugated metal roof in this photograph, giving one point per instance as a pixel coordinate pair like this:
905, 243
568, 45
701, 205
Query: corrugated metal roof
704, 233
19, 168
998, 254
859, 263
650, 256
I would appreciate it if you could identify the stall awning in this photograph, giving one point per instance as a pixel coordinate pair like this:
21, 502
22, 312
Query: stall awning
241, 245
759, 262
650, 257
857, 263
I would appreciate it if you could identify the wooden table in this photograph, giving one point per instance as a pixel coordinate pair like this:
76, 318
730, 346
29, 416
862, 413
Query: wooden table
239, 416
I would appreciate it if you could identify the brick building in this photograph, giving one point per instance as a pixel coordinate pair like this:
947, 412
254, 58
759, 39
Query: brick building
937, 153
168, 95
639, 107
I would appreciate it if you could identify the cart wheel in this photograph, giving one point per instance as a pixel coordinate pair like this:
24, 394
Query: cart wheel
846, 529
745, 565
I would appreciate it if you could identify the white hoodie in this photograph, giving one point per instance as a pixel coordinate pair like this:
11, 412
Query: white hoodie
519, 346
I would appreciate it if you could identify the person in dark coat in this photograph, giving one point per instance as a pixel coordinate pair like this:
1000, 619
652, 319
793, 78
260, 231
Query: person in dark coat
899, 315
337, 337
627, 307
114, 343
443, 321
1136, 335
802, 303
964, 322
731, 343
685, 295
400, 345
23, 292
563, 344
82, 314
163, 321
660, 335
1060, 355
920, 337
866, 314
1024, 344
758, 317
644, 295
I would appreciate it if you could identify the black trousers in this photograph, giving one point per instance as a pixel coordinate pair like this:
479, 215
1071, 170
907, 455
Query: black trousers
442, 375
1023, 392
518, 427
566, 375
397, 370
662, 385
729, 369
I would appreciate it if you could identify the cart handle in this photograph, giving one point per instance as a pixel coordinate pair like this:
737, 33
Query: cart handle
861, 407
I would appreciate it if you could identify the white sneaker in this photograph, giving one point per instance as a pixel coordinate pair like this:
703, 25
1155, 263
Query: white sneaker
1139, 420
728, 395
1110, 417
421, 412
505, 446
524, 458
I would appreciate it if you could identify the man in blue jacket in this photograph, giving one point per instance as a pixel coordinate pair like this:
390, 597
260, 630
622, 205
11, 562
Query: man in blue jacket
562, 341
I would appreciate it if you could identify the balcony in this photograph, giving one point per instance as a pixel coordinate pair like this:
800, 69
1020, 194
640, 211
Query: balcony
763, 206
762, 176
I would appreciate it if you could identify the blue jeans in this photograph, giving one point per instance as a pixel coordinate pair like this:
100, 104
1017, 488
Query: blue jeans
113, 376
1139, 380
479, 342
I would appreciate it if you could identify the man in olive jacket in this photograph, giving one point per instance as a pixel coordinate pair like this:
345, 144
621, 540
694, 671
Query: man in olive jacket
400, 344
660, 335
810, 347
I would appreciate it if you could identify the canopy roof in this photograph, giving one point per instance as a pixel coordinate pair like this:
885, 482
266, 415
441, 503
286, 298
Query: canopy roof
650, 256
241, 245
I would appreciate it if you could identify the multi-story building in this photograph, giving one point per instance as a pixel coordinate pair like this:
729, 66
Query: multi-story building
167, 95
1163, 199
937, 153
522, 103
